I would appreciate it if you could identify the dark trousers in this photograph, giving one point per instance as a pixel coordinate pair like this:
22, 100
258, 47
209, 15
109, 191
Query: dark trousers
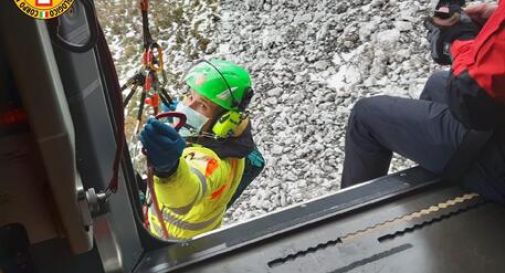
422, 130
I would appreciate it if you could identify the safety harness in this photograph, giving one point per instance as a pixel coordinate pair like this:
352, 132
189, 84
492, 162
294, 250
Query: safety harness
153, 90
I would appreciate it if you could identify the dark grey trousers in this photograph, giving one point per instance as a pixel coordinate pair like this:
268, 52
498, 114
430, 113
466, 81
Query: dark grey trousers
422, 130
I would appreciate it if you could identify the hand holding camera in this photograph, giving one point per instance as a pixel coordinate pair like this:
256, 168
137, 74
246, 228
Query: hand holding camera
449, 23
480, 12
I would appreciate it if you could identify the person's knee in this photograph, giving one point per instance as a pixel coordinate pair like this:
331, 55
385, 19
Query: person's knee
435, 83
369, 115
438, 78
364, 108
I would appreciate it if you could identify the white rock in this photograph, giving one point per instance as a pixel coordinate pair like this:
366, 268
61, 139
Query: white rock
275, 92
321, 65
298, 196
283, 201
403, 25
254, 4
351, 74
365, 30
301, 184
388, 38
277, 150
266, 205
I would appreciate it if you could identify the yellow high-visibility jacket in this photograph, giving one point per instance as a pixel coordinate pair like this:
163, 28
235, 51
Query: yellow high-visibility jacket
193, 200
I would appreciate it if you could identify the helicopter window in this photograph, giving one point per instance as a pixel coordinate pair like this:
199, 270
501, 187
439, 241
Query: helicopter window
298, 118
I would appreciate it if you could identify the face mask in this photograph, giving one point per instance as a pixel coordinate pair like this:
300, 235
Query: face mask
194, 121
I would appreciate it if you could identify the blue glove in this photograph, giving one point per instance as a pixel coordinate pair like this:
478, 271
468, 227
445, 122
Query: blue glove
163, 145
169, 107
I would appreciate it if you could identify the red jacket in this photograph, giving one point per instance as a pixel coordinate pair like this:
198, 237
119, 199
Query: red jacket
477, 85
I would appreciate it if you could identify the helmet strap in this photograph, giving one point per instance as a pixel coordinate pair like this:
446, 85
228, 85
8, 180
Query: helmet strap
246, 100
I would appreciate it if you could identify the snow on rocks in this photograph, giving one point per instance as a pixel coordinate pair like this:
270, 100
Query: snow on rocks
310, 62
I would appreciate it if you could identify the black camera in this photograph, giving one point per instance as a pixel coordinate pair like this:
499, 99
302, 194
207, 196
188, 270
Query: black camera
454, 25
445, 9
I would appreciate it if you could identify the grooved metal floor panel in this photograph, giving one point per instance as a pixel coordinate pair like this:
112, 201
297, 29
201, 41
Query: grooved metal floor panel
438, 229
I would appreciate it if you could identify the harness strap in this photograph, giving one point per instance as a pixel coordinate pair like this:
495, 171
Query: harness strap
157, 211
148, 40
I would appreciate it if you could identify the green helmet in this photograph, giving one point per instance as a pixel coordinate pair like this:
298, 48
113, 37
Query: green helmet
222, 82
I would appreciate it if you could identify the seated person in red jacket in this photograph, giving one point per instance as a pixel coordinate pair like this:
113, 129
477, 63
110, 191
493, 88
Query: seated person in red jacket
456, 128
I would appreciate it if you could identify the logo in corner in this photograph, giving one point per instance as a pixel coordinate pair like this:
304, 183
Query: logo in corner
44, 9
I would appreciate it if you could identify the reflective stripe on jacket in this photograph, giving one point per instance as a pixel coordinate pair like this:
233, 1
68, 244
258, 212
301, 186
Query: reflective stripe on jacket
193, 200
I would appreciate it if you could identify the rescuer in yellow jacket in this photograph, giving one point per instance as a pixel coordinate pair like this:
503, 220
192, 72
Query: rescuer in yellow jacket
199, 170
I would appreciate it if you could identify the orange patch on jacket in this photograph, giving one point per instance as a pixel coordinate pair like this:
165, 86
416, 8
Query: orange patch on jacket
217, 193
212, 165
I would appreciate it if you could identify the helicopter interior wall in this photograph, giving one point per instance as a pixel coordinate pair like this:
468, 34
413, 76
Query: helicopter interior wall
116, 237
116, 233
33, 229
21, 173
